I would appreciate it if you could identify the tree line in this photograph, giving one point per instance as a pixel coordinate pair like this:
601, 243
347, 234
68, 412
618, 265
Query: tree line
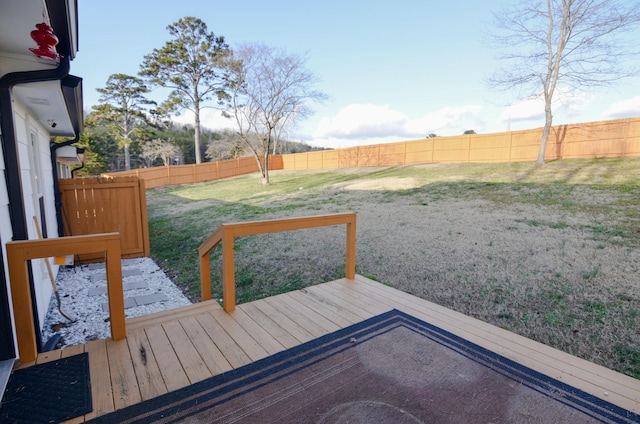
545, 46
263, 91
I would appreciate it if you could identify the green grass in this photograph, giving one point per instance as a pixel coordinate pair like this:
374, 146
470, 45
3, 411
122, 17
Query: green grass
580, 213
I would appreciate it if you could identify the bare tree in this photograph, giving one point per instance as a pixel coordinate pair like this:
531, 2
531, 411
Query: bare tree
162, 149
551, 44
226, 145
270, 90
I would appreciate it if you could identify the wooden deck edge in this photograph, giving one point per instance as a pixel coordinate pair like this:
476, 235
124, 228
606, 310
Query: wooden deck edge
171, 314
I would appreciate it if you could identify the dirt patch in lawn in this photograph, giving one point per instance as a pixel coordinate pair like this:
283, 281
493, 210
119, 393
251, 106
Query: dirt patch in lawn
387, 183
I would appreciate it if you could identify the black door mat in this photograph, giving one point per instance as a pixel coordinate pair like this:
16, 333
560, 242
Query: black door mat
48, 393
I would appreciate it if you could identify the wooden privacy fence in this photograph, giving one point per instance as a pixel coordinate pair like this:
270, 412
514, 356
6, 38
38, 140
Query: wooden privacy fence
105, 205
159, 176
615, 138
226, 233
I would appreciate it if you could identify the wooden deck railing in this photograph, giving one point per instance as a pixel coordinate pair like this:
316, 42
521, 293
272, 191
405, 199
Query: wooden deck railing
226, 234
19, 252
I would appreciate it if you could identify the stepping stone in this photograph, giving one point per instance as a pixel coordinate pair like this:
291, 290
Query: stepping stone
95, 291
131, 302
134, 285
150, 298
102, 276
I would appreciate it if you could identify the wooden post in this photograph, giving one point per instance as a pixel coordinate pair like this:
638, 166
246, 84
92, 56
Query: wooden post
144, 217
115, 291
205, 276
22, 312
228, 272
350, 266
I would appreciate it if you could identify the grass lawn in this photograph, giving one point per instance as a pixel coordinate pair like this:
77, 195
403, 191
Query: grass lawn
549, 252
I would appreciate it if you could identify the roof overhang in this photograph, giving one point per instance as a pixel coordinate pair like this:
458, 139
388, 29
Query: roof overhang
69, 155
54, 104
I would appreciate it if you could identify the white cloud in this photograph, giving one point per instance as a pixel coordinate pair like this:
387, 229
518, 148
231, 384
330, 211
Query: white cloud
209, 118
339, 143
524, 110
360, 124
623, 109
361, 121
572, 103
447, 121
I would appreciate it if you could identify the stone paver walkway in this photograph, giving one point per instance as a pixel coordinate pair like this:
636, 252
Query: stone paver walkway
100, 279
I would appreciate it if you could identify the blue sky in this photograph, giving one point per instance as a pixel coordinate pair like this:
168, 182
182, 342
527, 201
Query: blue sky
393, 70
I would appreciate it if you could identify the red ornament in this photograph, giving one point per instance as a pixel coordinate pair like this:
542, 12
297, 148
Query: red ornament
46, 40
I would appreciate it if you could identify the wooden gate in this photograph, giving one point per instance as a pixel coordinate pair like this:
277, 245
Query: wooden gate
106, 205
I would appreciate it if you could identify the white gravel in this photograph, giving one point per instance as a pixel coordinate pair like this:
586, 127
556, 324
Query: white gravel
74, 287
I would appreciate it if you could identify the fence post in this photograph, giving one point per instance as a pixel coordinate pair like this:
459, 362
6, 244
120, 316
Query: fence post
510, 144
433, 148
626, 138
144, 218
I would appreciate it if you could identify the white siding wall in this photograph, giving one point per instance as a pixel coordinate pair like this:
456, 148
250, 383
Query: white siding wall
47, 181
6, 232
25, 126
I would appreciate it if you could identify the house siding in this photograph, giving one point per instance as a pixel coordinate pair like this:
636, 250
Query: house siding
6, 231
25, 126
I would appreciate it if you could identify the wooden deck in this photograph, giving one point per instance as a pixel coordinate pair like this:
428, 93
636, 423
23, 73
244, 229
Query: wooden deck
172, 349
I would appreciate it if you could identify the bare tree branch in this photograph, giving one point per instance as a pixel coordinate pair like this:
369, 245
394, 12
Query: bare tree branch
270, 91
547, 44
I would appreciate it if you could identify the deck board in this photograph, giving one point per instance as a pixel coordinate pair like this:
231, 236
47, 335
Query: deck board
340, 302
195, 342
277, 315
269, 325
321, 308
301, 309
172, 314
283, 304
150, 381
209, 352
101, 393
240, 335
173, 375
123, 377
227, 346
331, 310
190, 359
266, 339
